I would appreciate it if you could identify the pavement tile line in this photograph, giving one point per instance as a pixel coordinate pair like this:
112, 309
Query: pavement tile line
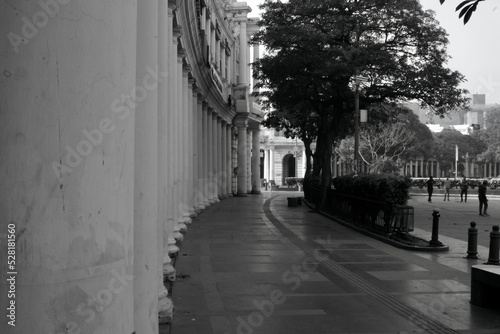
413, 315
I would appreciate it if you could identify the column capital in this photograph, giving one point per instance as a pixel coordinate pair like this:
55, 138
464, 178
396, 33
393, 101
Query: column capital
240, 121
254, 126
196, 89
212, 111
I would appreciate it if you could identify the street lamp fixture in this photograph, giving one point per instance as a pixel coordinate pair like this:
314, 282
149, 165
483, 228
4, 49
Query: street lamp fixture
358, 80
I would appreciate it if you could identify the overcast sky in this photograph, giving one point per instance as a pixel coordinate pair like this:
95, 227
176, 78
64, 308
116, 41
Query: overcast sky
474, 47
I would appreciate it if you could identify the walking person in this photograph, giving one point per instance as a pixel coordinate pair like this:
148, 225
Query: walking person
483, 201
464, 185
430, 187
447, 186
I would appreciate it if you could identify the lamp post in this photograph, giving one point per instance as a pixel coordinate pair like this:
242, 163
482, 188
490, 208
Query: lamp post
358, 80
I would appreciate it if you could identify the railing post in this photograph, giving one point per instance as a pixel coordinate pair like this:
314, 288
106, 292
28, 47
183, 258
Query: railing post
472, 242
435, 228
494, 246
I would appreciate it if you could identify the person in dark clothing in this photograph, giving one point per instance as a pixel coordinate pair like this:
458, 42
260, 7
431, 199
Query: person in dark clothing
430, 187
483, 201
463, 190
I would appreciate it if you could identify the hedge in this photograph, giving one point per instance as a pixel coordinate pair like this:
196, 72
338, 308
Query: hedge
387, 187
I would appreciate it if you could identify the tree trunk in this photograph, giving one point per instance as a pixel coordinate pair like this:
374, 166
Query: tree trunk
322, 166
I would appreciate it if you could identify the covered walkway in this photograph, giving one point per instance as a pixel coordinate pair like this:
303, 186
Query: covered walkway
254, 265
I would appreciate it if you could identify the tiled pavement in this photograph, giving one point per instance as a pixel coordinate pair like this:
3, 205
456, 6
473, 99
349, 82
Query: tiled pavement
254, 265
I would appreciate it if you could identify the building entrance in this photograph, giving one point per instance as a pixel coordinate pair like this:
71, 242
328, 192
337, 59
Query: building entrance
288, 167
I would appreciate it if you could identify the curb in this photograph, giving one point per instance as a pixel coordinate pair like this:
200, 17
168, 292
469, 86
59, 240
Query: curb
379, 237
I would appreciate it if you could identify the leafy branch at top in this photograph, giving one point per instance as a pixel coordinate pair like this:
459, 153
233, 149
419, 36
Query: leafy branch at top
466, 8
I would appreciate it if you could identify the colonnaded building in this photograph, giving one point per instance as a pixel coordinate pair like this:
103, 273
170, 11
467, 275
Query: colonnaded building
120, 121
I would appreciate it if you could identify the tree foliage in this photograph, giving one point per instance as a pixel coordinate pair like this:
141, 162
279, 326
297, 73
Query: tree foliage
445, 143
316, 48
392, 135
466, 8
490, 135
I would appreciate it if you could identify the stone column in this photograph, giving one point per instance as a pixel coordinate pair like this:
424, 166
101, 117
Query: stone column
266, 164
181, 142
220, 195
146, 176
171, 224
175, 61
206, 162
196, 126
224, 159
210, 160
249, 159
243, 53
67, 169
255, 160
241, 123
229, 160
165, 306
215, 152
191, 136
185, 219
201, 139
271, 163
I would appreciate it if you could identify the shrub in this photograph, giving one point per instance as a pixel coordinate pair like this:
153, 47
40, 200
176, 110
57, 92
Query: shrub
293, 181
387, 187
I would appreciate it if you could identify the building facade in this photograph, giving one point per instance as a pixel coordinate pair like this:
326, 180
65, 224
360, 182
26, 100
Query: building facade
120, 122
281, 157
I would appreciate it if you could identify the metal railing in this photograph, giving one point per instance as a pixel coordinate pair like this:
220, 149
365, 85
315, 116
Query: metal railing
364, 211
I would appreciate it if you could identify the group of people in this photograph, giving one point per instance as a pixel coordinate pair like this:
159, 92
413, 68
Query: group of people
464, 187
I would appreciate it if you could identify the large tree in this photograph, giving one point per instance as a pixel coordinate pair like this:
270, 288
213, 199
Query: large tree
490, 135
317, 48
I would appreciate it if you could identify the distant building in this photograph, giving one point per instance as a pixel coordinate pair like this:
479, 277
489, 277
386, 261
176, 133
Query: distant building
281, 157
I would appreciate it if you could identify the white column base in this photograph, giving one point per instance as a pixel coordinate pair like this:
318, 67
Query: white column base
182, 227
168, 272
165, 307
178, 236
187, 219
173, 250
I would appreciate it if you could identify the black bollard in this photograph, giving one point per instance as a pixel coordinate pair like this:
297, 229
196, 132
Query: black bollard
494, 246
472, 246
435, 228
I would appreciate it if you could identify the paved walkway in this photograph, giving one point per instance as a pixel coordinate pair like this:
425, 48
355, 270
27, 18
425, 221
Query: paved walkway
254, 265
